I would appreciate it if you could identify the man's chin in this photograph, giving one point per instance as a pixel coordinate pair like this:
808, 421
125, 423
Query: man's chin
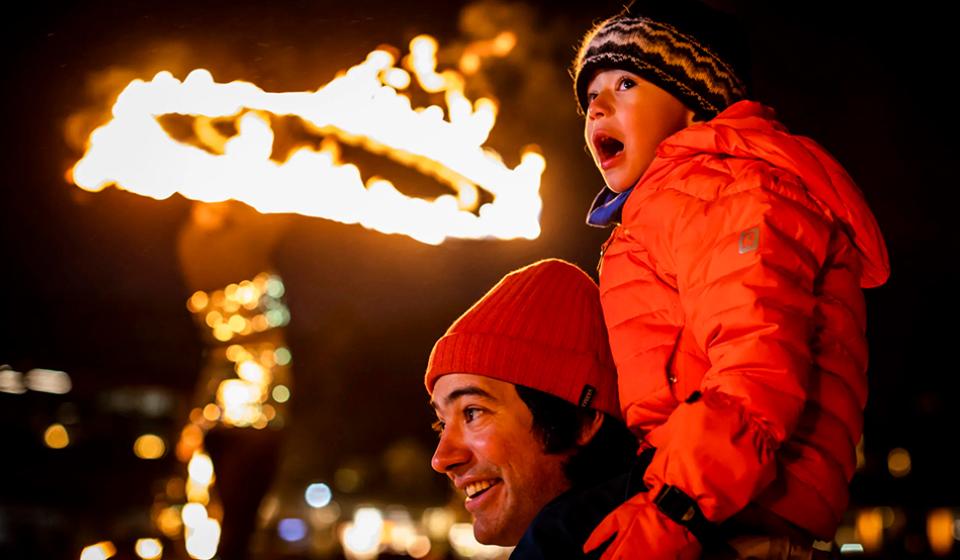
490, 536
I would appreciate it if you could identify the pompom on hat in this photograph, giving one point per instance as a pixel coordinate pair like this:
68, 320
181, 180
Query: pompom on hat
542, 327
691, 51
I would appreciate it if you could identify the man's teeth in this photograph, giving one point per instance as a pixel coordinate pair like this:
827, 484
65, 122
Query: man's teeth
476, 487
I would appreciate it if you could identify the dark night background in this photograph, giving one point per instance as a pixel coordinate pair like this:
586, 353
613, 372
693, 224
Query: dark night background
92, 284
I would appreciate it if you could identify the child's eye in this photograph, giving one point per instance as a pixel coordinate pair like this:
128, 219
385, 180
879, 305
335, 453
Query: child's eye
591, 96
438, 426
626, 83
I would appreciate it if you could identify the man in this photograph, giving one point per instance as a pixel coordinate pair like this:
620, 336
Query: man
526, 398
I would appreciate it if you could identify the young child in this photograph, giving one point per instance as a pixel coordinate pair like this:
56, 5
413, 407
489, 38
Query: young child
731, 289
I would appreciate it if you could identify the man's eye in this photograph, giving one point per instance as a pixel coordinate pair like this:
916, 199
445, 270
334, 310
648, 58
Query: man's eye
470, 413
438, 426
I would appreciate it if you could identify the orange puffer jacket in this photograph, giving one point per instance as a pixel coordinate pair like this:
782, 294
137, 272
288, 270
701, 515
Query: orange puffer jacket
734, 283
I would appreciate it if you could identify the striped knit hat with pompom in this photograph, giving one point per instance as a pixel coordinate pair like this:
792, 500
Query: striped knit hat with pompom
693, 52
542, 327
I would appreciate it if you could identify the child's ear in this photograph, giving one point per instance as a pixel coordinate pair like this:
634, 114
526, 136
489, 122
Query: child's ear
691, 118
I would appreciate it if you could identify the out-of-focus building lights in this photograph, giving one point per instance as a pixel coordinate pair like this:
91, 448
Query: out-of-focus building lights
318, 495
465, 544
240, 401
437, 521
419, 546
148, 549
898, 462
940, 525
149, 446
11, 381
198, 301
282, 356
347, 479
281, 394
56, 437
292, 529
48, 381
211, 412
197, 492
870, 529
99, 551
200, 468
202, 541
851, 548
253, 372
169, 522
193, 514
362, 537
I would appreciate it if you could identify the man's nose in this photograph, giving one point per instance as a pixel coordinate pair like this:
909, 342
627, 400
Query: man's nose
450, 453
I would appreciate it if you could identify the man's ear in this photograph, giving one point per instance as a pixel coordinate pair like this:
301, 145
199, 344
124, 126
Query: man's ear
589, 428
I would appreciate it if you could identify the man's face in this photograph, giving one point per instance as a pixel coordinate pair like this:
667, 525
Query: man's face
488, 449
627, 117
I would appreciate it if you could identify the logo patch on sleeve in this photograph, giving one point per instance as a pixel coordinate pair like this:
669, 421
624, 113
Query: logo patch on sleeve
586, 396
749, 240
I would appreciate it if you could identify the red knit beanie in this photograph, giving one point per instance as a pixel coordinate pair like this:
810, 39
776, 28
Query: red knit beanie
541, 326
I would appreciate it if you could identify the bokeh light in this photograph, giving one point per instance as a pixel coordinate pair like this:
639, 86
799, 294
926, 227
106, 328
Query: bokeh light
56, 437
149, 446
318, 495
899, 463
148, 549
292, 529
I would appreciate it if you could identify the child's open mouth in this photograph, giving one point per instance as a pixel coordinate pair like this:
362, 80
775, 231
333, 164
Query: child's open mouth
607, 149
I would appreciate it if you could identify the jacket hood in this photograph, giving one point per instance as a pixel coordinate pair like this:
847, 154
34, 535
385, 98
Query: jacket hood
748, 129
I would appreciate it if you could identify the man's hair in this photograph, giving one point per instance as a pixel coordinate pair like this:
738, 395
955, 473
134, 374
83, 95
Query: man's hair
558, 423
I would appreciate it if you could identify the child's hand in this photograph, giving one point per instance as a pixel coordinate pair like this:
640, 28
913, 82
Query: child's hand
641, 530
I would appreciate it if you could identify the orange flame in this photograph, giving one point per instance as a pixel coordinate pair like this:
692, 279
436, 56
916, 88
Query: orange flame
360, 107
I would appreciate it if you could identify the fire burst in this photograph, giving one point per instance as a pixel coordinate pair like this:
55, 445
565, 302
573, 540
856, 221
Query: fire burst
363, 107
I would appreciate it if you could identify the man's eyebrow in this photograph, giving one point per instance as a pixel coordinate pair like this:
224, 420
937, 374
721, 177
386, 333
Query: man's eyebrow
462, 392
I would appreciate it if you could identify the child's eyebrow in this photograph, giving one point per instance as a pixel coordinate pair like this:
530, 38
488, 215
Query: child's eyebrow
462, 392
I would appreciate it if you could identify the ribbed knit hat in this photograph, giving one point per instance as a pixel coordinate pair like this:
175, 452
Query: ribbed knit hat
691, 51
541, 326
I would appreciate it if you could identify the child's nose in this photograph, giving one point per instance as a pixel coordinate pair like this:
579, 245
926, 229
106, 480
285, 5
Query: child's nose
600, 106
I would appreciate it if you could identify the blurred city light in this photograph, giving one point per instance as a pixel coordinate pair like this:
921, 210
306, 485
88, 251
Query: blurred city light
149, 549
149, 446
56, 437
282, 356
362, 537
870, 529
200, 468
437, 522
852, 548
318, 495
169, 522
11, 381
292, 529
202, 540
99, 551
347, 479
193, 514
281, 394
465, 545
940, 525
899, 463
48, 381
419, 546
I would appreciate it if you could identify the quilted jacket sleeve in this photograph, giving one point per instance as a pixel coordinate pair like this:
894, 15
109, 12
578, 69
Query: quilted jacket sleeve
746, 265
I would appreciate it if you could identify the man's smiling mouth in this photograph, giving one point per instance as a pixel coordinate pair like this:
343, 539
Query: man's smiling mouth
475, 489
